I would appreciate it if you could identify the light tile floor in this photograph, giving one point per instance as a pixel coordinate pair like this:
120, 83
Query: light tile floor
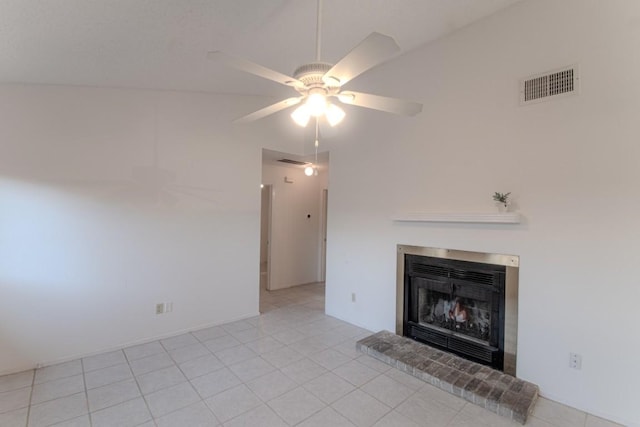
292, 365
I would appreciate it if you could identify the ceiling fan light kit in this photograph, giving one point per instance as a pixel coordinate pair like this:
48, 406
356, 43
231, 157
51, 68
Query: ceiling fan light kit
318, 81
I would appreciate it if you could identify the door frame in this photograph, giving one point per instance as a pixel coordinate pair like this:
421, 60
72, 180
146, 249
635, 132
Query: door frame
323, 234
266, 210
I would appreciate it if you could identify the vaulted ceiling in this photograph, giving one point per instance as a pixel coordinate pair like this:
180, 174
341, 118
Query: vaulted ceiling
162, 44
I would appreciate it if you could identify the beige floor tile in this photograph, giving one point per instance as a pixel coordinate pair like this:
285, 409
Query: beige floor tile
330, 358
593, 421
252, 368
395, 419
207, 334
558, 414
143, 350
112, 394
16, 381
329, 387
178, 341
249, 335
57, 388
15, 418
233, 402
356, 373
58, 410
221, 343
272, 385
81, 421
303, 370
58, 371
373, 363
196, 415
238, 326
103, 360
264, 345
472, 415
348, 348
200, 366
361, 409
326, 417
289, 336
128, 414
537, 422
215, 382
151, 363
163, 378
14, 399
189, 352
420, 407
233, 355
261, 416
429, 392
296, 405
105, 376
171, 399
406, 379
387, 390
282, 357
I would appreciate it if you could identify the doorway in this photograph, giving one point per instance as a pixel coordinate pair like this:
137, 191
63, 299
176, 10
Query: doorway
265, 236
293, 224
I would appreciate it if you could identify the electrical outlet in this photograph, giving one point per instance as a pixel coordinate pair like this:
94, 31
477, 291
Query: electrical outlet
353, 297
160, 308
575, 361
168, 307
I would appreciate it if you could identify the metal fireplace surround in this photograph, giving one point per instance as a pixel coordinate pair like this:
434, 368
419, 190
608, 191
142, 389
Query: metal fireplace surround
460, 301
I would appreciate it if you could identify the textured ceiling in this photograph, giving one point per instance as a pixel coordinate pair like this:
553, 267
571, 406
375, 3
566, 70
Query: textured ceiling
162, 44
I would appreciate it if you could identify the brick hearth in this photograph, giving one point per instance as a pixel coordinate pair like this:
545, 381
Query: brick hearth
498, 392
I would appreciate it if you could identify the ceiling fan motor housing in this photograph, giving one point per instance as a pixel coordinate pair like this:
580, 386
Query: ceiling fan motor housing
311, 74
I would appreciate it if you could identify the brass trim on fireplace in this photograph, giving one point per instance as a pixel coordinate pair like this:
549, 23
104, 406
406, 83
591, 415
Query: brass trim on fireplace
512, 264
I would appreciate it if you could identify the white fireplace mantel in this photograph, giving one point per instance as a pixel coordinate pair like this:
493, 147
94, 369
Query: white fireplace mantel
478, 218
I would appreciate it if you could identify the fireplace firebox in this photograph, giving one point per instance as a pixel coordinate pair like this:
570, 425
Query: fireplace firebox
459, 301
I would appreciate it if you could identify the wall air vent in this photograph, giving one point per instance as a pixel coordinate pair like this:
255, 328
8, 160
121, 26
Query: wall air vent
550, 85
293, 162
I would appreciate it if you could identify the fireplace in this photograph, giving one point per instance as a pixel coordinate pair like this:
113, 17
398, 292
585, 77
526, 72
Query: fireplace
458, 301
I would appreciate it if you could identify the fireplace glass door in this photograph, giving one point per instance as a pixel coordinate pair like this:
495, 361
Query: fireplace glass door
456, 305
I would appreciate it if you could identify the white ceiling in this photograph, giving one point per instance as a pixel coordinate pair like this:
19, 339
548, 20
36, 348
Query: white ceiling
162, 44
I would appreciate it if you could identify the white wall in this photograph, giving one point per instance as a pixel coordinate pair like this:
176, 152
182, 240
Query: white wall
571, 165
295, 238
86, 251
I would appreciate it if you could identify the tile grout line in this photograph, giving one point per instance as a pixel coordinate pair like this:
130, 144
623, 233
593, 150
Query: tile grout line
138, 385
86, 393
188, 380
33, 384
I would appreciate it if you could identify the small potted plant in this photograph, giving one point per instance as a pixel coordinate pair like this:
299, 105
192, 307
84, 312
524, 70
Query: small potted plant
502, 200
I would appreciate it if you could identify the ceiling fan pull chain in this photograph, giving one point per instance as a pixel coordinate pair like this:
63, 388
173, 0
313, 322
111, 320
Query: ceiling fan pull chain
318, 24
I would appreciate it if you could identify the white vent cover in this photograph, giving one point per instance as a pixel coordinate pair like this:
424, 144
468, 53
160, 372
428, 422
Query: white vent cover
549, 85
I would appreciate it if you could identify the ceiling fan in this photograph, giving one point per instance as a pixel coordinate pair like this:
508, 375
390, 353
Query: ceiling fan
318, 83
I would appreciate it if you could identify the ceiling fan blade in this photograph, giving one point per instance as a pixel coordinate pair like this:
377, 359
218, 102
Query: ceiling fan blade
273, 108
382, 103
371, 51
253, 68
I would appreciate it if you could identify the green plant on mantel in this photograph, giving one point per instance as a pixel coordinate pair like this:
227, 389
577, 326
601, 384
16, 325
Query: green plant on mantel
502, 198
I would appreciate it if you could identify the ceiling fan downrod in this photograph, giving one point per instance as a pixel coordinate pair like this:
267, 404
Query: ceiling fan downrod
318, 30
